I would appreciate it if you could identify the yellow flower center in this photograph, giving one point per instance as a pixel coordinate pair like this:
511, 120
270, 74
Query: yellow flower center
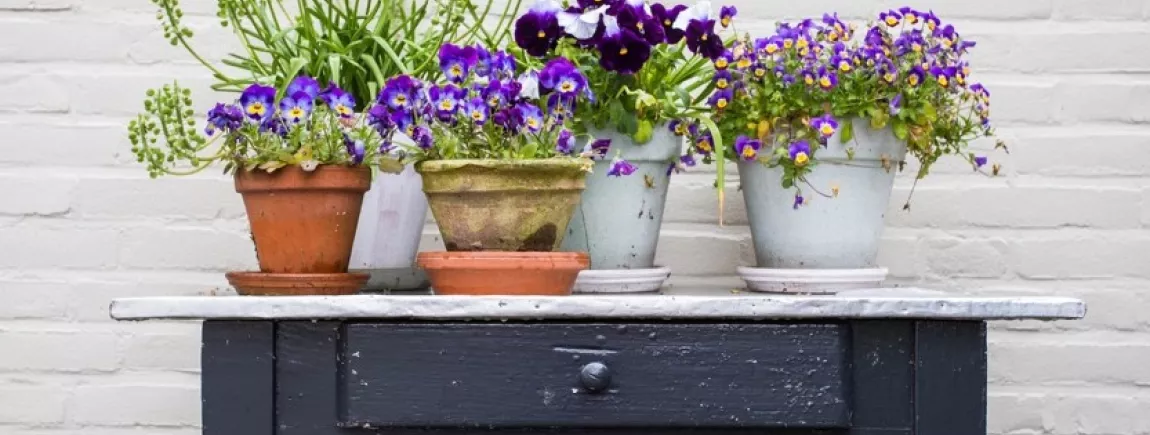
541, 34
833, 36
966, 70
802, 43
703, 145
827, 130
532, 123
810, 80
296, 113
446, 105
961, 79
913, 80
804, 51
726, 21
891, 21
931, 25
567, 86
343, 110
456, 70
257, 109
889, 77
722, 103
744, 63
942, 80
721, 63
772, 48
667, 23
639, 26
825, 82
623, 51
845, 66
704, 37
722, 84
760, 72
801, 158
788, 43
748, 152
912, 18
477, 115
400, 100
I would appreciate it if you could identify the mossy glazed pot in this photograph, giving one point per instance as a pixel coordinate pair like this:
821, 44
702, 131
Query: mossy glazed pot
301, 221
503, 205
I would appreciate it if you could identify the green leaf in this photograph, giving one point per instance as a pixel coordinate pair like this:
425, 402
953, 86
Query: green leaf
900, 129
403, 67
788, 182
848, 131
930, 112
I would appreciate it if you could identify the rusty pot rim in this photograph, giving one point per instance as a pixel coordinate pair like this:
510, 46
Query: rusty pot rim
557, 164
293, 177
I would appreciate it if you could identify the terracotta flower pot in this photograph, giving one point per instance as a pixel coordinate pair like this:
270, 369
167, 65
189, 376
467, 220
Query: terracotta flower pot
503, 205
304, 222
503, 273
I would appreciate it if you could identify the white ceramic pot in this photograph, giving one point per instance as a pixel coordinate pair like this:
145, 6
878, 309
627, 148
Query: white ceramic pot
390, 227
825, 233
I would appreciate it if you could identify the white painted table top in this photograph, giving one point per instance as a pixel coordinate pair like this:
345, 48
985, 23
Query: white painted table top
902, 303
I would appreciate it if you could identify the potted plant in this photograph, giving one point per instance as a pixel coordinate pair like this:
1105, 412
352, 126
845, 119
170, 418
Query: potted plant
500, 169
301, 161
644, 63
823, 116
357, 46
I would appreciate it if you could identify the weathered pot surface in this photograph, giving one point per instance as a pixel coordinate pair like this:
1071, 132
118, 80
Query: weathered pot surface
619, 219
503, 205
503, 273
825, 233
301, 221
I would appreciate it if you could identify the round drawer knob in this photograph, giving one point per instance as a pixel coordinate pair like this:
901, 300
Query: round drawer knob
595, 377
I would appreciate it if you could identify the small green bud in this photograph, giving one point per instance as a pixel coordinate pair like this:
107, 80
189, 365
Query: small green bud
644, 133
150, 92
187, 32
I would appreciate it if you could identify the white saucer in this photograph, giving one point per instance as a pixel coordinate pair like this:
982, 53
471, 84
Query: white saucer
622, 280
810, 281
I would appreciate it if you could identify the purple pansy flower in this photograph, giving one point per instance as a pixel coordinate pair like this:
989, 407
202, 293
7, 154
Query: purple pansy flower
422, 137
503, 64
559, 107
721, 98
404, 121
339, 101
687, 160
274, 125
702, 39
456, 62
623, 51
705, 144
483, 62
379, 118
666, 18
257, 101
943, 75
621, 168
931, 20
723, 79
769, 46
679, 127
400, 93
296, 107
825, 125
916, 76
598, 149
896, 105
226, 117
827, 79
891, 18
537, 31
305, 84
477, 111
747, 148
979, 161
798, 201
789, 79
529, 116
726, 14
910, 15
560, 75
355, 148
565, 143
800, 152
446, 100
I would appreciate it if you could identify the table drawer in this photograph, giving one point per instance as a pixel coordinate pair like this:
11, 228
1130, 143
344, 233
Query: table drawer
594, 375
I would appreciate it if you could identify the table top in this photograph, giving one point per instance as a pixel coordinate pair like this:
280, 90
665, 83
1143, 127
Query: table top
901, 303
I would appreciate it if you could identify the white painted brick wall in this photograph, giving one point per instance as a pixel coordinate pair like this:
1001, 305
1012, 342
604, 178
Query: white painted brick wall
81, 224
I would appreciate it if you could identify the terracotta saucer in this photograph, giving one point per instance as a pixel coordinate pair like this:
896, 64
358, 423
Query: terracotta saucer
503, 273
296, 284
